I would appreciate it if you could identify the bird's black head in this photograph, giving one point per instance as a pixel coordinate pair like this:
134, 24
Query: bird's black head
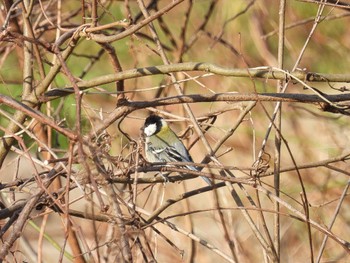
153, 125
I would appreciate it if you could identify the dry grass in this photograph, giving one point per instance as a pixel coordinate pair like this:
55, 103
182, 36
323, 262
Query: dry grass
95, 199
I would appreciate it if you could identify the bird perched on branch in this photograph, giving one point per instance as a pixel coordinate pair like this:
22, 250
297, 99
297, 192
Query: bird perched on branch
163, 145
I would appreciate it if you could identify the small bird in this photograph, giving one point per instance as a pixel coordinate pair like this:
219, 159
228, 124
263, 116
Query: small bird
163, 145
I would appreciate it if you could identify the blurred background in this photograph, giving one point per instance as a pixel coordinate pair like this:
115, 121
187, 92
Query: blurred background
226, 224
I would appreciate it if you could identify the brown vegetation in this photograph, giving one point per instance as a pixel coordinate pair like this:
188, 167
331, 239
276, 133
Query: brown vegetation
256, 90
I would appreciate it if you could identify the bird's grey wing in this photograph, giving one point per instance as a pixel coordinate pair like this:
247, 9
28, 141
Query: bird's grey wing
176, 152
183, 155
179, 153
156, 154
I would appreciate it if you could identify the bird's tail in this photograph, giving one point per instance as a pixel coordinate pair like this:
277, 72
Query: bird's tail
206, 179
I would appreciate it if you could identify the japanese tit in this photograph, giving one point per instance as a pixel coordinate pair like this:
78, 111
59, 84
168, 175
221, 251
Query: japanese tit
163, 145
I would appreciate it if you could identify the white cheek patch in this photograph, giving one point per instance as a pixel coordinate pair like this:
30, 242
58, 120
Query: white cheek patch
150, 129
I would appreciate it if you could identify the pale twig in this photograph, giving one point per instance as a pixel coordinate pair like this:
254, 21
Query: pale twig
23, 216
343, 243
331, 223
190, 235
278, 126
304, 22
120, 221
25, 110
267, 73
9, 14
134, 28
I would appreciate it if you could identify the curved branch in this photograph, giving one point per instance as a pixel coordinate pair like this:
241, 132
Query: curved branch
107, 39
260, 72
230, 97
25, 109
